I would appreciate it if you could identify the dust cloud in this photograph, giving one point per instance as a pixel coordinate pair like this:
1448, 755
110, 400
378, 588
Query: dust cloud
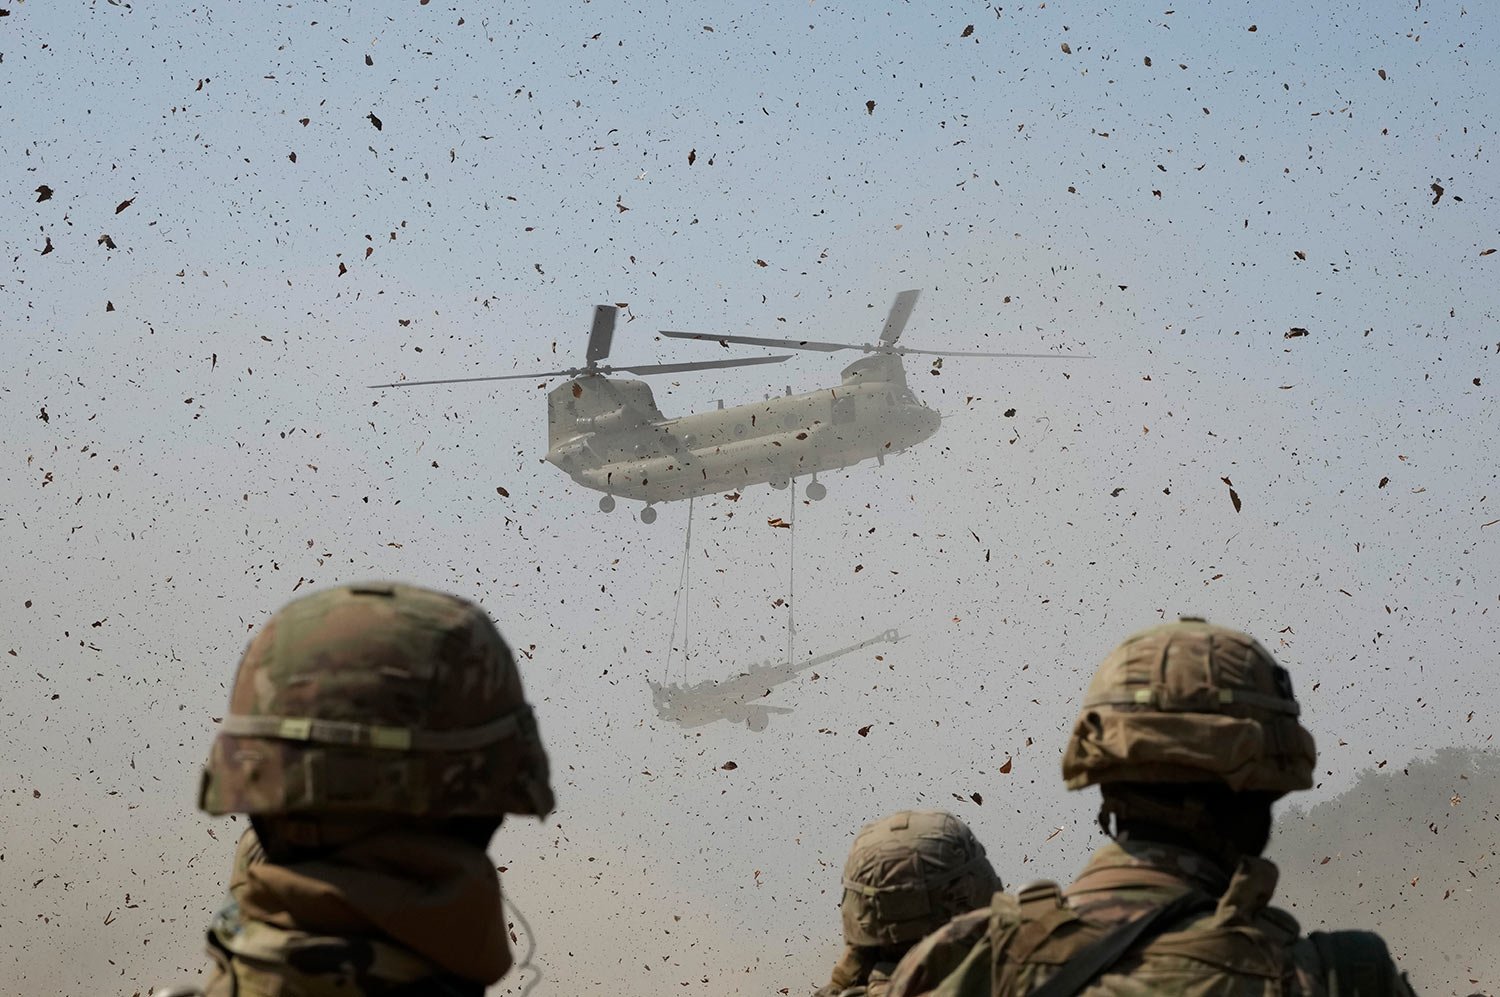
1414, 847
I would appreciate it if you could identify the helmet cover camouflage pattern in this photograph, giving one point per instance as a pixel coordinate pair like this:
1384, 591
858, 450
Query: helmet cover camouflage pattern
378, 699
1191, 702
909, 873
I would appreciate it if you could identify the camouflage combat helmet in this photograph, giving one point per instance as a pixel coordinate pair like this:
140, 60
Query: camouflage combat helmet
909, 873
377, 699
1191, 702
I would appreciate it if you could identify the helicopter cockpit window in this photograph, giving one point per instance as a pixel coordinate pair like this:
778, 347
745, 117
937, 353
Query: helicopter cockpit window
843, 410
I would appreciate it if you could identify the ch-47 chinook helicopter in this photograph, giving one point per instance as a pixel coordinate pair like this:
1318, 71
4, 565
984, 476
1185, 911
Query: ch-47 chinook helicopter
608, 434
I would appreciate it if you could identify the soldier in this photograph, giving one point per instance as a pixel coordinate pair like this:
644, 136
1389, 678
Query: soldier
377, 736
905, 876
1191, 732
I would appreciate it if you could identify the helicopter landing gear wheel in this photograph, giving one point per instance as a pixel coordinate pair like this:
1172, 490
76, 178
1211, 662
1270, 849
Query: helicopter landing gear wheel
817, 491
648, 515
779, 483
607, 504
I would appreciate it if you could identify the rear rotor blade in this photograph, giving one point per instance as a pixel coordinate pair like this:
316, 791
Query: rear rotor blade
897, 319
601, 335
785, 344
673, 368
961, 353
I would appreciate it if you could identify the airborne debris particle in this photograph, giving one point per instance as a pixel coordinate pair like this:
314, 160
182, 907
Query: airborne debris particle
1234, 496
869, 107
375, 121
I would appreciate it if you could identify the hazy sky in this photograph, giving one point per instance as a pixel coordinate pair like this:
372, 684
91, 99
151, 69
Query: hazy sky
189, 439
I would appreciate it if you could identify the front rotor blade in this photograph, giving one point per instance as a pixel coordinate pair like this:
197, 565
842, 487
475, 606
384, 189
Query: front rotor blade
785, 344
467, 380
673, 368
602, 334
896, 320
961, 353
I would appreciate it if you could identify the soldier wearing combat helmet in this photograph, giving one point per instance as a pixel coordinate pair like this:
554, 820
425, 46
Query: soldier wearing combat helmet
377, 736
906, 875
1191, 732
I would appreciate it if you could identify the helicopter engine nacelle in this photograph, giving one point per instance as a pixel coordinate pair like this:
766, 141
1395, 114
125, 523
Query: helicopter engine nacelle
879, 367
598, 404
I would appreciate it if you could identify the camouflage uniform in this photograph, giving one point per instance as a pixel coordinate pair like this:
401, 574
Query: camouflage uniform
906, 874
1184, 703
379, 733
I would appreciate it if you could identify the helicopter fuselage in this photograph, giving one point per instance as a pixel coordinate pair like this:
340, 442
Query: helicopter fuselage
608, 435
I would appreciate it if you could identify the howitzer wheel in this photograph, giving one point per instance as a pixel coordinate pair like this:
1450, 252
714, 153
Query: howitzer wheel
648, 515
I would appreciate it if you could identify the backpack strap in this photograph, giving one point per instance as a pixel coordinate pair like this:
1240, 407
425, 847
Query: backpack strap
1356, 964
1019, 923
1095, 959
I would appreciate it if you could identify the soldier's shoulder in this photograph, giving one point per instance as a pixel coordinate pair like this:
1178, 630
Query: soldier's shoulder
1359, 956
934, 957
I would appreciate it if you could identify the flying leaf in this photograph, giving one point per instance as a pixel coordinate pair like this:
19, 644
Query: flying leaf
375, 121
967, 31
1006, 766
43, 193
501, 492
729, 766
869, 107
123, 205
